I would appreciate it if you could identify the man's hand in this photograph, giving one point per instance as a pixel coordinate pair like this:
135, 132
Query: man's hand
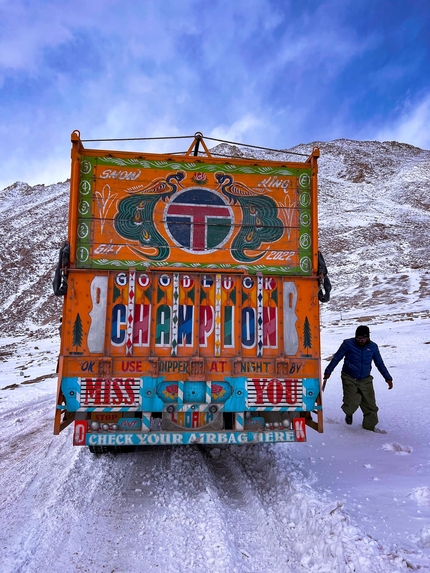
390, 384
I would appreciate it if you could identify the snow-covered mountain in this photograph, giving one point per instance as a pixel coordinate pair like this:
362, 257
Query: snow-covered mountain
33, 226
374, 210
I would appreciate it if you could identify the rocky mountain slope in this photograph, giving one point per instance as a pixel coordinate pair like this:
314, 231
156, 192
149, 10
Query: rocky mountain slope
374, 223
374, 208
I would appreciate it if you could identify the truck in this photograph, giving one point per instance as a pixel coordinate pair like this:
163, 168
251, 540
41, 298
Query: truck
191, 286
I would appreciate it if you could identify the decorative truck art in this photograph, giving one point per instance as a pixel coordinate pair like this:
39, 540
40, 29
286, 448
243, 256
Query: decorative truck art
191, 289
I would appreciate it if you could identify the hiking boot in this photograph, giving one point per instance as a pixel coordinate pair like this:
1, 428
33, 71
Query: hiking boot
348, 420
379, 431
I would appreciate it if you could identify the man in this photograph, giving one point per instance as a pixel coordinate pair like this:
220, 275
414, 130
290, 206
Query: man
357, 383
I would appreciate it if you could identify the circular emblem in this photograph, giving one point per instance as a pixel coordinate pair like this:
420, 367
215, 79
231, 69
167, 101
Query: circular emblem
85, 167
84, 208
199, 220
304, 180
305, 241
305, 219
83, 230
121, 279
85, 187
305, 199
82, 254
305, 264
143, 280
187, 282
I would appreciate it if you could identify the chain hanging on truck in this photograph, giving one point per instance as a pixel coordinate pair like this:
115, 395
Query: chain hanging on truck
323, 280
59, 284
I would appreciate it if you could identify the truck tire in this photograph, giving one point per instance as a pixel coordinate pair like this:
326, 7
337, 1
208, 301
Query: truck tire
98, 450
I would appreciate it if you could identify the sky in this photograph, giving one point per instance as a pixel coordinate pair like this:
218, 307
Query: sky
273, 73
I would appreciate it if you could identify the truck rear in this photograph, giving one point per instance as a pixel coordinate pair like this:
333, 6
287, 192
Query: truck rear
191, 300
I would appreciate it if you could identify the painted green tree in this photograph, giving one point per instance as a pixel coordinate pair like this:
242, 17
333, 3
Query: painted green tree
307, 335
77, 331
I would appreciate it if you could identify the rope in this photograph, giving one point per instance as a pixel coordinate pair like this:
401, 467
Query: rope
206, 138
214, 154
258, 147
139, 138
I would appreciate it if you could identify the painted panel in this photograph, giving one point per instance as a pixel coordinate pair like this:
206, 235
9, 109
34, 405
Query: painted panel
96, 332
137, 213
190, 326
183, 438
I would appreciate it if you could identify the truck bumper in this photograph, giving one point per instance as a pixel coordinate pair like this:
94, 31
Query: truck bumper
82, 438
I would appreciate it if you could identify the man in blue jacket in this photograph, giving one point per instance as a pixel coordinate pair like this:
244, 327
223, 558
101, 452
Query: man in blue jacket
358, 391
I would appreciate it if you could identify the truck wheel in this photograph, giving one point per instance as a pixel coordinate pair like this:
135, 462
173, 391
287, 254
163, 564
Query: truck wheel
97, 450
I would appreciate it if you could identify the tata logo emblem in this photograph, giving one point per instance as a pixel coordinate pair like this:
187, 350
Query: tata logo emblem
199, 220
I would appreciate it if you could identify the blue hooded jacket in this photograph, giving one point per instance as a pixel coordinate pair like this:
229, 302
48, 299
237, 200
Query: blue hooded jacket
358, 360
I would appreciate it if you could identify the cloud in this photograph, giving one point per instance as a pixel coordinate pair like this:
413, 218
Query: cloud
409, 124
265, 72
240, 131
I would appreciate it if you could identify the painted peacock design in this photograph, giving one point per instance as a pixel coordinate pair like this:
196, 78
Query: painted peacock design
134, 219
260, 223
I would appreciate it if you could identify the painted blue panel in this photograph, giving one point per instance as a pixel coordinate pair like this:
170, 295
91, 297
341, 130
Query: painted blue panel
237, 402
71, 389
194, 392
151, 402
311, 389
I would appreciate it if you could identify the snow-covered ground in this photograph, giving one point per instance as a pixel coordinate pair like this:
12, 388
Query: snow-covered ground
346, 501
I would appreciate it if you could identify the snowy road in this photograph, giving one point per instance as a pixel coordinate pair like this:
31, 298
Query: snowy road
175, 509
263, 508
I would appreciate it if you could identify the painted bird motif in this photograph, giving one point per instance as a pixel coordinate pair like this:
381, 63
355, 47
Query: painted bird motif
134, 219
260, 221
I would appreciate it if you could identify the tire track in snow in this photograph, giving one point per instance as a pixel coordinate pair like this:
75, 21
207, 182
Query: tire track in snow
243, 503
188, 515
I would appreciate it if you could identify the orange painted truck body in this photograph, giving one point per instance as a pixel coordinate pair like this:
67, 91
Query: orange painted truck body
192, 312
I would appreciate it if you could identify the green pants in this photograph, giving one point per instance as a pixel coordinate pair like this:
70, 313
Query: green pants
360, 394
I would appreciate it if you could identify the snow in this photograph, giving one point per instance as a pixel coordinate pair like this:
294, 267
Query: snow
346, 500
